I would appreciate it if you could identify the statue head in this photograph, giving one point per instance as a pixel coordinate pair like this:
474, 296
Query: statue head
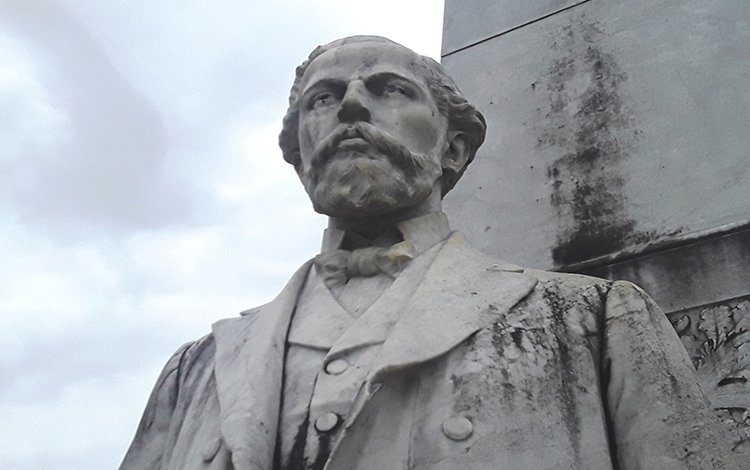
373, 127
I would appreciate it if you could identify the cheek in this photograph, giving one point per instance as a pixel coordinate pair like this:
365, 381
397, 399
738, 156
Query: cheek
422, 129
305, 141
314, 128
308, 136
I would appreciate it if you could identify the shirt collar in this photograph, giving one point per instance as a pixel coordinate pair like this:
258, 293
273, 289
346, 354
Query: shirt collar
423, 232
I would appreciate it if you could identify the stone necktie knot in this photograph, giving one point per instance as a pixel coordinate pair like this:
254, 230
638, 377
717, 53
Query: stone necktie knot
338, 266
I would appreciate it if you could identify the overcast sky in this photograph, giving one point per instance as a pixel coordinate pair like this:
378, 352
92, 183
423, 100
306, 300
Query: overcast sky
143, 195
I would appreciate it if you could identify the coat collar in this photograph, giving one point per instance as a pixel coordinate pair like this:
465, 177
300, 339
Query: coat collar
422, 232
462, 292
249, 367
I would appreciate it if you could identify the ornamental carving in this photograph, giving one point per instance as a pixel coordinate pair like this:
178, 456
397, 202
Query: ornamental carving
718, 341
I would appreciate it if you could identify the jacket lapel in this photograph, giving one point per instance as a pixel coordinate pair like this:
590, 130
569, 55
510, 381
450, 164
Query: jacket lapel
249, 366
462, 292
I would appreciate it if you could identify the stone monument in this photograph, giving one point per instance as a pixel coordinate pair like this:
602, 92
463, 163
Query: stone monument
399, 346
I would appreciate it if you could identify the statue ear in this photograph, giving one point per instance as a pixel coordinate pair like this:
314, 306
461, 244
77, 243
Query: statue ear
457, 154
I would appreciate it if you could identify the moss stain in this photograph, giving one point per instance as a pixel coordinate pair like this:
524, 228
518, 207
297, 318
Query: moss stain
589, 124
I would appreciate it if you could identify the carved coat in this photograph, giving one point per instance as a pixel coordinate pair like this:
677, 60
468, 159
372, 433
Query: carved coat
489, 367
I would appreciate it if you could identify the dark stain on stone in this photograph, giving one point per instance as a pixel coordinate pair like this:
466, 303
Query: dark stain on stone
324, 449
497, 331
605, 366
566, 394
509, 394
468, 391
588, 122
509, 390
297, 458
517, 336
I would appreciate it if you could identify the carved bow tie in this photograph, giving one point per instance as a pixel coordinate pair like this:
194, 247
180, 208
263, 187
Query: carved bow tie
338, 266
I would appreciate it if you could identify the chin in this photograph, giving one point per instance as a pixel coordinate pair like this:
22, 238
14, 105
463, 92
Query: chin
363, 187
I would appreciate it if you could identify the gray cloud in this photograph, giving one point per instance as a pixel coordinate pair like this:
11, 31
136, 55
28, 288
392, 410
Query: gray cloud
110, 173
44, 367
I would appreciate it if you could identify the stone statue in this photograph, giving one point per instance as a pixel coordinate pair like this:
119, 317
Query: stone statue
401, 347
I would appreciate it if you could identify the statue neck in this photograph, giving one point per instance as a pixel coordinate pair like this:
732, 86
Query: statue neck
371, 227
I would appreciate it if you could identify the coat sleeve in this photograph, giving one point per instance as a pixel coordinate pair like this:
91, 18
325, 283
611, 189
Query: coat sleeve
152, 438
659, 417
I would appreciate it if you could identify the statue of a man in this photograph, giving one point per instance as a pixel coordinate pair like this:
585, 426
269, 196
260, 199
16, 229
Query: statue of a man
401, 347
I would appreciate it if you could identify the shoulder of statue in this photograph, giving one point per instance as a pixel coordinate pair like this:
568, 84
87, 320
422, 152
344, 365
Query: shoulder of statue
185, 359
567, 281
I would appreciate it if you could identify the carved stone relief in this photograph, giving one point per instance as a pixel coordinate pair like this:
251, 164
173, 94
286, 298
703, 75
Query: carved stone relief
717, 339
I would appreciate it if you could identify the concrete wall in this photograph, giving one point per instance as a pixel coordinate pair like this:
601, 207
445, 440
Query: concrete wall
618, 145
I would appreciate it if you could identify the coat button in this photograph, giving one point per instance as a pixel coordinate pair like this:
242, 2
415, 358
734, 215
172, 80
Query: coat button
211, 449
458, 428
327, 422
337, 366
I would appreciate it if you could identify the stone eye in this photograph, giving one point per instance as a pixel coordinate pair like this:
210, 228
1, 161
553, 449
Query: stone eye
392, 89
321, 99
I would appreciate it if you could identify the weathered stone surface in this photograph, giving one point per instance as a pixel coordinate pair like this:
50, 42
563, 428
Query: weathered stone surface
618, 147
469, 21
717, 338
611, 124
708, 270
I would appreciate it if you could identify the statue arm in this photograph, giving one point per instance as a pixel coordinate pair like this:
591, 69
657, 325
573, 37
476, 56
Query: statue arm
151, 441
658, 415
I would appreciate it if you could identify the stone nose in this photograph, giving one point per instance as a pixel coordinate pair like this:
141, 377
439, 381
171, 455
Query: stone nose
353, 106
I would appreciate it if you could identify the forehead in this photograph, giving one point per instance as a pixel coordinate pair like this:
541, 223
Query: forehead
359, 60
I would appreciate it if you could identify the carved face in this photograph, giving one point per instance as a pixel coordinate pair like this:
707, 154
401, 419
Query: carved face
371, 136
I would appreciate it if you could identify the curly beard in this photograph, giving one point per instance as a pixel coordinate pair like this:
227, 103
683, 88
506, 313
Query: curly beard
365, 180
